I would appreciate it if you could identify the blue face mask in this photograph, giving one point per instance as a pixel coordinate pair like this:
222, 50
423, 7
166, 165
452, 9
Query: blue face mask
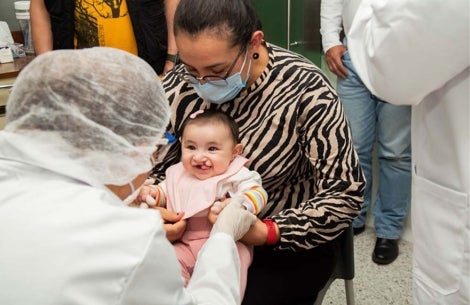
217, 92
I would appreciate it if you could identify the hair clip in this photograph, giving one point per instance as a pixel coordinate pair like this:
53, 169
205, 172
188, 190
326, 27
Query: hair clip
171, 138
196, 113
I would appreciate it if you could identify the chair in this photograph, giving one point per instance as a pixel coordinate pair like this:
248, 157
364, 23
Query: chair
344, 269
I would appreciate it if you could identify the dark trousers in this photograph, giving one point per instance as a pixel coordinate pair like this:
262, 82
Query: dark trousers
288, 278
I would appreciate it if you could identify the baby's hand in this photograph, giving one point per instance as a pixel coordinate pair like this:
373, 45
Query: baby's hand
216, 208
147, 195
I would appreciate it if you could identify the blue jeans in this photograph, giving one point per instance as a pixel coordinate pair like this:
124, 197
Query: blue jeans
373, 120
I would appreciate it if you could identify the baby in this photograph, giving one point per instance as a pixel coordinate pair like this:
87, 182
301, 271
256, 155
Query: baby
211, 171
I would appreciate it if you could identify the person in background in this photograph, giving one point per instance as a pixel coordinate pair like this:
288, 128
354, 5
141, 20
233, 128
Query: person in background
294, 133
74, 146
211, 173
372, 120
417, 53
141, 27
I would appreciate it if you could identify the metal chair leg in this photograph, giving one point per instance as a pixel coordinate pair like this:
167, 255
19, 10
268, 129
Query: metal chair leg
348, 286
322, 293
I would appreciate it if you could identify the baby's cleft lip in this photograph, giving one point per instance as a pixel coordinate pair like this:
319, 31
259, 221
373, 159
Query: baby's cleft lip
203, 167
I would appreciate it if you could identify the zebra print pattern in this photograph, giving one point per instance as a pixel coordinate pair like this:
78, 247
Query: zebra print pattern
295, 133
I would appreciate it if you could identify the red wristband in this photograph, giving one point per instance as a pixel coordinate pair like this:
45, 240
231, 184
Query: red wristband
272, 235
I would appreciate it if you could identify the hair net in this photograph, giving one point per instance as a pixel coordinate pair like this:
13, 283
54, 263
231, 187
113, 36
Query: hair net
103, 108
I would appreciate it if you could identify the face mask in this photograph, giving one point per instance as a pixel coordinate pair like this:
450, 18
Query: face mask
217, 94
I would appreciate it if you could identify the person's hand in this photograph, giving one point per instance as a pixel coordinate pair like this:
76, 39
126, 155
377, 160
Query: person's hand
333, 59
234, 220
173, 224
216, 208
147, 194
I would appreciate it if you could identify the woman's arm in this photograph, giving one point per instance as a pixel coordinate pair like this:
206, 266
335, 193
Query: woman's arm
170, 8
339, 181
335, 184
40, 27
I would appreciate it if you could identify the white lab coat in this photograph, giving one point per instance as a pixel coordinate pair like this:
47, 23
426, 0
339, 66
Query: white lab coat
417, 52
66, 239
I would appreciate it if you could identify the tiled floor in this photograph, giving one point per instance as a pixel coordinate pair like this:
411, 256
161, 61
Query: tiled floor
375, 284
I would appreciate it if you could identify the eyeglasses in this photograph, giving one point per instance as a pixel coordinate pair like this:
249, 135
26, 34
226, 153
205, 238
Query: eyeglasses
213, 79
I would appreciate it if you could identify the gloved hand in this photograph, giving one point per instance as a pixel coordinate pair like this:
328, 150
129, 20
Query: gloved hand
142, 196
234, 220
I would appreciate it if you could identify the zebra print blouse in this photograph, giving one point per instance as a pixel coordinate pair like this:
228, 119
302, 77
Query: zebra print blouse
296, 136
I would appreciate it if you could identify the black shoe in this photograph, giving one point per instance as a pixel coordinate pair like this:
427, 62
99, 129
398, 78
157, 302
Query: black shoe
359, 230
385, 251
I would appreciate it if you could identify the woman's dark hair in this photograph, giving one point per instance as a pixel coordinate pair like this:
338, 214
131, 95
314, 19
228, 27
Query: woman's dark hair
212, 115
235, 20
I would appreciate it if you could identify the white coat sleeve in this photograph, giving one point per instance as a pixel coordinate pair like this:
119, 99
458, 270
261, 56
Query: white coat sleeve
331, 20
405, 49
157, 279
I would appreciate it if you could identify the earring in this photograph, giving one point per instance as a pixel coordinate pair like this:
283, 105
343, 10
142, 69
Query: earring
255, 55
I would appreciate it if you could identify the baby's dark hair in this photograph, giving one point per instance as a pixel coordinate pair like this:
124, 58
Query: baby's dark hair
214, 115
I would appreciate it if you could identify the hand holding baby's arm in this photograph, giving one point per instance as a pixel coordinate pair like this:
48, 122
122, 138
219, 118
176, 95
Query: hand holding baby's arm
220, 204
216, 208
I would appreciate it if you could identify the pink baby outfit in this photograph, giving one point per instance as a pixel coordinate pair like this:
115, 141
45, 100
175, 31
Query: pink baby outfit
186, 193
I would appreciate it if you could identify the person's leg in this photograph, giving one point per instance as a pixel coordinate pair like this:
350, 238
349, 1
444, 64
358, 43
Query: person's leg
394, 154
288, 278
360, 110
186, 260
187, 249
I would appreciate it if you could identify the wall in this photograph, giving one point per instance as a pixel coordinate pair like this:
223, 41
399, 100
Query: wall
292, 24
7, 13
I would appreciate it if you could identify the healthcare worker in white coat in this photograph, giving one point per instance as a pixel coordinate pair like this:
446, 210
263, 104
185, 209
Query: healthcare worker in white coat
417, 52
81, 129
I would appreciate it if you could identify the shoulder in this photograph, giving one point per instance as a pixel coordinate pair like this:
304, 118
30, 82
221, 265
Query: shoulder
293, 69
280, 57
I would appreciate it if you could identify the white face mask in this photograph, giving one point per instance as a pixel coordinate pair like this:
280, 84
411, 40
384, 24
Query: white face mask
221, 93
